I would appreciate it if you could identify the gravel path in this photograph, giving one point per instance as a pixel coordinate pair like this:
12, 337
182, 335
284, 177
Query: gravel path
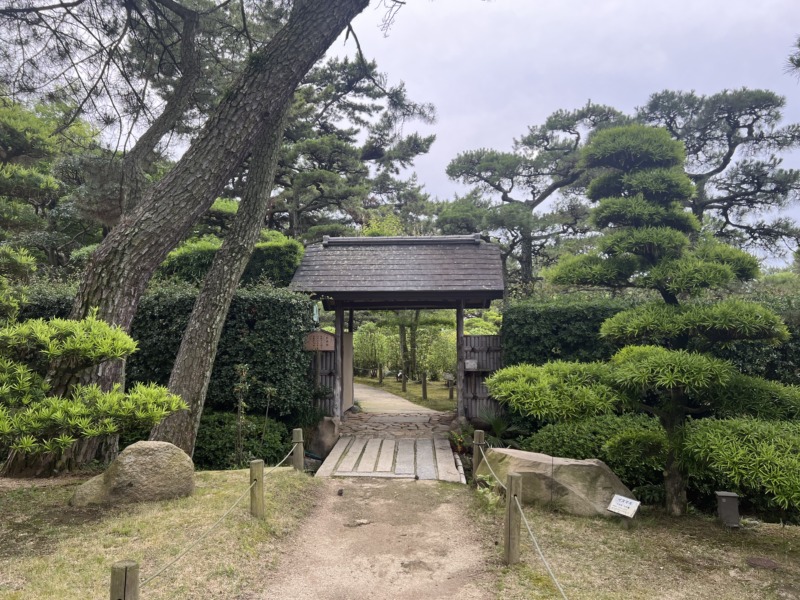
383, 540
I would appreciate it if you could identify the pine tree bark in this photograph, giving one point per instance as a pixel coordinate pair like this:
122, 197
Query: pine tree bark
192, 370
122, 266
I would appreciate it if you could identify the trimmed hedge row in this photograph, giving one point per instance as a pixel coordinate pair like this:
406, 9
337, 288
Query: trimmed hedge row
536, 332
265, 329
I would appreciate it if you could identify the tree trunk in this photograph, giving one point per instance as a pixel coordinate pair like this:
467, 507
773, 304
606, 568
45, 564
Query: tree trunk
675, 478
526, 258
122, 266
414, 371
191, 373
404, 354
82, 452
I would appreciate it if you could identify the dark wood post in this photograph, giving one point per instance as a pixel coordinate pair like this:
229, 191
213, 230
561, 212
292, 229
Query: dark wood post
478, 443
124, 580
338, 385
298, 452
513, 520
461, 409
257, 491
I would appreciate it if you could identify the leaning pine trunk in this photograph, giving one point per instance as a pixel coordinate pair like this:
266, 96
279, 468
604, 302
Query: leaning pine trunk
191, 373
120, 269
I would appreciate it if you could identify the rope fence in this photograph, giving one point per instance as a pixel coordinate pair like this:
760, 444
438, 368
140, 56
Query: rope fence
125, 583
514, 516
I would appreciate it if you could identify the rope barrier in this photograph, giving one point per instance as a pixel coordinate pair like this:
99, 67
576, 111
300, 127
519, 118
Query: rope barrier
539, 550
486, 462
218, 521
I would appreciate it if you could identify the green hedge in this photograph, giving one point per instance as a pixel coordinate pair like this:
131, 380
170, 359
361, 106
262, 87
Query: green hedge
275, 258
216, 441
535, 332
265, 329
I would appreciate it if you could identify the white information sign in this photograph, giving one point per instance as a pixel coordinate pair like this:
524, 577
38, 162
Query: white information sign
471, 364
624, 506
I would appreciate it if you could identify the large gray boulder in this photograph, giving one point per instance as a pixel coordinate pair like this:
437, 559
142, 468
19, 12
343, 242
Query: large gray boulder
576, 487
143, 472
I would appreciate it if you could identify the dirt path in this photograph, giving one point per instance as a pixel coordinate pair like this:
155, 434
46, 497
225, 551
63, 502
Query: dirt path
384, 540
374, 400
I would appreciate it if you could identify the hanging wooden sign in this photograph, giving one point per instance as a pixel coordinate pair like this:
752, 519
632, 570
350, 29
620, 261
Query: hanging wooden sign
319, 341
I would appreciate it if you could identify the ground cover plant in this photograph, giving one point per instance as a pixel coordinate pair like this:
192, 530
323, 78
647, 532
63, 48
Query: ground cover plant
51, 550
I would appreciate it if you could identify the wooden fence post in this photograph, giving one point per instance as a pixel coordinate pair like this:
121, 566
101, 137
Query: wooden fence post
257, 491
125, 580
478, 442
298, 453
513, 521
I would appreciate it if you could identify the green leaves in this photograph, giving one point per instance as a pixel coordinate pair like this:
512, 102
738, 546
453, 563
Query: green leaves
721, 323
633, 147
757, 457
645, 369
555, 391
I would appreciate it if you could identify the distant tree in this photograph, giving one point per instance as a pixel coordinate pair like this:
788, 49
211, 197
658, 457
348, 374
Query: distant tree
543, 164
733, 142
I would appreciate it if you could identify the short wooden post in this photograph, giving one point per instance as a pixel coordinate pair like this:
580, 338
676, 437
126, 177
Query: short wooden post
298, 453
257, 491
125, 580
478, 442
450, 388
513, 520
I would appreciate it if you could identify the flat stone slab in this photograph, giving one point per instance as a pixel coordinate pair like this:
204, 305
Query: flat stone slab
405, 458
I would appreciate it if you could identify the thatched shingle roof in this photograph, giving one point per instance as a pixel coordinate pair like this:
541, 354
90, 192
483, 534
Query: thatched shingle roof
402, 272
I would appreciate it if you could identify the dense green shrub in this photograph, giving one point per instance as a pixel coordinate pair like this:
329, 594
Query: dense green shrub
535, 332
265, 329
275, 257
753, 457
216, 441
633, 446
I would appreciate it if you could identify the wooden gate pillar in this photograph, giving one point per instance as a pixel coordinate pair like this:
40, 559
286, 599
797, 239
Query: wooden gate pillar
338, 386
460, 383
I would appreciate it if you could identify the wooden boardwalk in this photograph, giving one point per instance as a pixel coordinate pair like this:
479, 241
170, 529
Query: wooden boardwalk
403, 458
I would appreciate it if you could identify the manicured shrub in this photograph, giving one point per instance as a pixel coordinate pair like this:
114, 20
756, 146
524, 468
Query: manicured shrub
633, 446
275, 258
265, 329
535, 332
216, 441
753, 457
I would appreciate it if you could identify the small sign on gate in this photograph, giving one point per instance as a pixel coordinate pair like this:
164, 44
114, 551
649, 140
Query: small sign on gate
319, 341
621, 505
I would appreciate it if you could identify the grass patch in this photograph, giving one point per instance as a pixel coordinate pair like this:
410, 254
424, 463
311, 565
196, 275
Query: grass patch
58, 551
660, 557
438, 394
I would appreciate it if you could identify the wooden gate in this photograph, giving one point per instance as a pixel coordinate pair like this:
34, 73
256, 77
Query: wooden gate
483, 355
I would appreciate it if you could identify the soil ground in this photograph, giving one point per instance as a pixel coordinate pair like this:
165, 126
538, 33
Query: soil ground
384, 540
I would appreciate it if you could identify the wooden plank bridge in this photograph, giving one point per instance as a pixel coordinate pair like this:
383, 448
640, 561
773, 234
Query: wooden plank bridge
427, 458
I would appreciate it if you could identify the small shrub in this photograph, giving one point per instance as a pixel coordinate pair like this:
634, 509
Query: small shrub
215, 448
633, 446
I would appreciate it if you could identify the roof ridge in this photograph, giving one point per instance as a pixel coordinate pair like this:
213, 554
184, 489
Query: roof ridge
405, 240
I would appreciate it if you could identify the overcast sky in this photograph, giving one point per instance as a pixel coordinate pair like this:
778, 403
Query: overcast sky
492, 68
